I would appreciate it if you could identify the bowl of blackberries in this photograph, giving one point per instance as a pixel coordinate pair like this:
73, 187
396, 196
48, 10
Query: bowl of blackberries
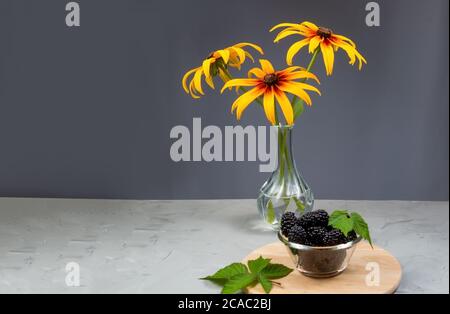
321, 245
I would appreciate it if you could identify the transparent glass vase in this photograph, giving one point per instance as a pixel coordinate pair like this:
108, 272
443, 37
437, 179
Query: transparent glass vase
285, 190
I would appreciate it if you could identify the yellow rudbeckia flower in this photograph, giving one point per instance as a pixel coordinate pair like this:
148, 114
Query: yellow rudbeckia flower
318, 37
273, 85
216, 64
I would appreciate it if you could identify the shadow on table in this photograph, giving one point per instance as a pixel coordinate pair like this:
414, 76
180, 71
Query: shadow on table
250, 223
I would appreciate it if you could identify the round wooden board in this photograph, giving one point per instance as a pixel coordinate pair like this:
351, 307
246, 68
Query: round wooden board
351, 281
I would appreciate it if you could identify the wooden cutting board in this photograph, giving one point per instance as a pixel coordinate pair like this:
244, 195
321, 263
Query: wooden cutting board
355, 279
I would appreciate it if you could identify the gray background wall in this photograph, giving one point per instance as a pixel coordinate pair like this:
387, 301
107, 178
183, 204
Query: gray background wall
87, 112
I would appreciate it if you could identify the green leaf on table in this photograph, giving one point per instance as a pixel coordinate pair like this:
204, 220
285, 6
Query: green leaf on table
265, 283
258, 264
275, 271
238, 282
270, 212
340, 219
360, 226
236, 277
224, 274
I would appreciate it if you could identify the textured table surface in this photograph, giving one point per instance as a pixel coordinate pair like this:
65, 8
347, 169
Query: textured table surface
164, 246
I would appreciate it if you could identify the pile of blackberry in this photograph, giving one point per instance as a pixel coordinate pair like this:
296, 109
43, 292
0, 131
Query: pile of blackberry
312, 229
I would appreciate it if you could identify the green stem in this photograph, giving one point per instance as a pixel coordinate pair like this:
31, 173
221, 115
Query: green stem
281, 153
276, 116
288, 157
285, 160
312, 61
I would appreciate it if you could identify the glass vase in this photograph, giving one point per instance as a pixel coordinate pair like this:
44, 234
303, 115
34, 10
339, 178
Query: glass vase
285, 190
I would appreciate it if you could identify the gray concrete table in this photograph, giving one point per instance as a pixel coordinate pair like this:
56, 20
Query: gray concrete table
164, 246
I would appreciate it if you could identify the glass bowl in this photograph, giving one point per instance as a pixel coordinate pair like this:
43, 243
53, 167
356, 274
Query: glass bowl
320, 261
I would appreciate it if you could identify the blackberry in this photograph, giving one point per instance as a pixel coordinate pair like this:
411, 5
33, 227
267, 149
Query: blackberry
307, 220
298, 235
351, 236
316, 235
334, 237
288, 220
321, 217
317, 218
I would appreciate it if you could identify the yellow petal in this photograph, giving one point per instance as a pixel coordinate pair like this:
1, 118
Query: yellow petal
235, 60
185, 78
269, 105
285, 105
225, 54
245, 100
328, 57
240, 53
314, 43
351, 51
257, 72
290, 69
361, 59
284, 25
310, 25
300, 93
284, 34
197, 80
234, 63
192, 90
266, 66
256, 47
294, 49
305, 86
210, 82
240, 82
288, 86
302, 75
249, 56
207, 67
348, 40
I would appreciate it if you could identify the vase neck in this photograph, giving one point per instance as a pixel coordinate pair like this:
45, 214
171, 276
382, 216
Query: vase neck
285, 181
286, 159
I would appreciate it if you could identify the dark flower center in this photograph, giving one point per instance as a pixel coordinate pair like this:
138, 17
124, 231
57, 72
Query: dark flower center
270, 79
324, 32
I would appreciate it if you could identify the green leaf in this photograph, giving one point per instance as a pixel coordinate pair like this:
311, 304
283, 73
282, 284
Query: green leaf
270, 212
300, 205
338, 212
298, 108
275, 271
265, 283
238, 282
222, 275
340, 219
258, 264
236, 276
360, 226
